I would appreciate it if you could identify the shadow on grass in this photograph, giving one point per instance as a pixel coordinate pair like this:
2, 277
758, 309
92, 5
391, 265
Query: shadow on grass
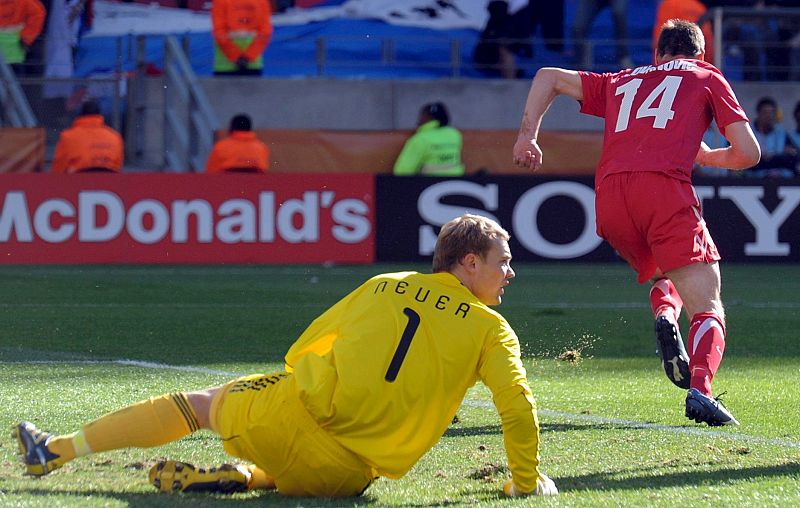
484, 430
634, 479
566, 427
481, 430
637, 480
158, 499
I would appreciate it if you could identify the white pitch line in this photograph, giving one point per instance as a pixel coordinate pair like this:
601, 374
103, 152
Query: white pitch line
692, 431
133, 363
184, 368
268, 271
162, 305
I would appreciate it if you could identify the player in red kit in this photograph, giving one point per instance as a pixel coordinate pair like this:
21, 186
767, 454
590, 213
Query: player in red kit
646, 207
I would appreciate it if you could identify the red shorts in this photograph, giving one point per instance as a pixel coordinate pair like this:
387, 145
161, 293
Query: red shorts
653, 221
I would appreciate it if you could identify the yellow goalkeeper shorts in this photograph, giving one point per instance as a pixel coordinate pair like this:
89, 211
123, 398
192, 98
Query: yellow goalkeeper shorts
261, 419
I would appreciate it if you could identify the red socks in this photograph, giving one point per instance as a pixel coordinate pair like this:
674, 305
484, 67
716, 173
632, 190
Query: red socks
705, 347
665, 300
706, 342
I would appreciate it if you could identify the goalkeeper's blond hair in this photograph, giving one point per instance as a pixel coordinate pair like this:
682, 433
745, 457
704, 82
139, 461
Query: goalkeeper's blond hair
464, 235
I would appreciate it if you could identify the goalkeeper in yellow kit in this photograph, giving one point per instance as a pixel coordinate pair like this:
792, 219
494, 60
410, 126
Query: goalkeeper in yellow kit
369, 387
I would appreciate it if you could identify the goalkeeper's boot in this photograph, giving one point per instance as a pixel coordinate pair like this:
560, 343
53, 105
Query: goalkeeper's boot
174, 476
33, 451
674, 359
702, 408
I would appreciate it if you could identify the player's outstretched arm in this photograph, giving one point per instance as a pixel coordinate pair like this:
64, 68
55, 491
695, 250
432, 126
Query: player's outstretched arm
742, 153
544, 487
548, 83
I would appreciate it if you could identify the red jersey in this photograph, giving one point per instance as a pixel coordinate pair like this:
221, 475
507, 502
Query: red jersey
655, 117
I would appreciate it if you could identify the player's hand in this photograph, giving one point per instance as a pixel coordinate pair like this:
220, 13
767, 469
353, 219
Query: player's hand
544, 487
527, 154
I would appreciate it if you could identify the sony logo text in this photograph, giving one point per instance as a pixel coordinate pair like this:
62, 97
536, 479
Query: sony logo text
434, 211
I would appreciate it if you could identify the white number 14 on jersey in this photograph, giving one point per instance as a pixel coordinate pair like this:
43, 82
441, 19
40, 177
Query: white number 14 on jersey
662, 113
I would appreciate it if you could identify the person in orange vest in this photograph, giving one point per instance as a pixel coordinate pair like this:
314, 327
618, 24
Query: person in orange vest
21, 22
89, 145
240, 151
241, 29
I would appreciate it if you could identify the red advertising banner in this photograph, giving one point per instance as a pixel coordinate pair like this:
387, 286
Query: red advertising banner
195, 218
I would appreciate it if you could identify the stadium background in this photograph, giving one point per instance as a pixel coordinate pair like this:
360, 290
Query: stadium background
334, 131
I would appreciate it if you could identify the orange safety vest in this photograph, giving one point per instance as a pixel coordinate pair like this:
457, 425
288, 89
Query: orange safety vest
241, 150
241, 28
88, 145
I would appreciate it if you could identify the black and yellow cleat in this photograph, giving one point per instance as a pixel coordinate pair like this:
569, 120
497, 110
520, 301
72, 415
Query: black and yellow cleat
33, 451
175, 476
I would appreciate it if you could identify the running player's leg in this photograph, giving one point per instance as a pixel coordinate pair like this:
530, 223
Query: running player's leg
666, 305
684, 250
664, 298
699, 283
619, 224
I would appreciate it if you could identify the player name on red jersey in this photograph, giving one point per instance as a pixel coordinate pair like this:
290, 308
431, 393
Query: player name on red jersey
672, 65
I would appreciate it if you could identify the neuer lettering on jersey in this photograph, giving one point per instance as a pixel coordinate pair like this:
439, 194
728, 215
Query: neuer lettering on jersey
672, 65
423, 295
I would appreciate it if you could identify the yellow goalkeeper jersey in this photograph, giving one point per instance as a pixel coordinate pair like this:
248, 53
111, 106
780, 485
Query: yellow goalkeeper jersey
385, 369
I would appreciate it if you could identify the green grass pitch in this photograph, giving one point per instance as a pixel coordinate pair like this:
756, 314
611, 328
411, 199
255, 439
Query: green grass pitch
76, 342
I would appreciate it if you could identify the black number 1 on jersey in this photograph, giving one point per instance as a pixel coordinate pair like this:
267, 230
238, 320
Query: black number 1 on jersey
402, 347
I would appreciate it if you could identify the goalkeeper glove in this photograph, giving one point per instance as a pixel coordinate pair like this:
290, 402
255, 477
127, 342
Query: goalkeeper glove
544, 487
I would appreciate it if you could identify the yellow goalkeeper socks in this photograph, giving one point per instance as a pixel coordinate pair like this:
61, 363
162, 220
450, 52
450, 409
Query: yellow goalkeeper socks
152, 422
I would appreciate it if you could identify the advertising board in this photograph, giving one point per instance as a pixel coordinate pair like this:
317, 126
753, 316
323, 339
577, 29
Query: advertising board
163, 218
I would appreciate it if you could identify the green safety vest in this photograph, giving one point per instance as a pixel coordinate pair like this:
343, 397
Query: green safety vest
10, 46
431, 151
221, 62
